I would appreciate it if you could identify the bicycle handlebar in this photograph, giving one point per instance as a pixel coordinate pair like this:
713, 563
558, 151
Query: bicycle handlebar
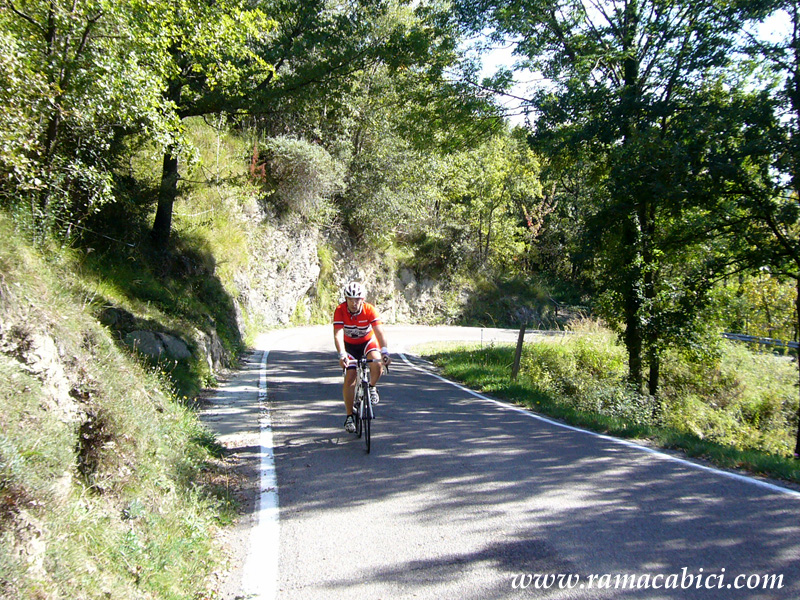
377, 360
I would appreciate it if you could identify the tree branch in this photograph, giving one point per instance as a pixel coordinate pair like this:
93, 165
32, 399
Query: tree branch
26, 17
90, 23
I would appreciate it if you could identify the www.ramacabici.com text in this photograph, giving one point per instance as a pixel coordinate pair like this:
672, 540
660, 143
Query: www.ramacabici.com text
685, 579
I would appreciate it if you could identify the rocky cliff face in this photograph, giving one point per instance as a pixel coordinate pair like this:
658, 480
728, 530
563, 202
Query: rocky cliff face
281, 286
284, 268
283, 278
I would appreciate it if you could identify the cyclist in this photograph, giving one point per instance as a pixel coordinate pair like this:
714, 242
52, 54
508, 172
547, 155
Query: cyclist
357, 332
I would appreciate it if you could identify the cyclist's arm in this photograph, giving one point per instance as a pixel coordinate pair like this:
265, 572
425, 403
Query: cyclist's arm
338, 340
381, 337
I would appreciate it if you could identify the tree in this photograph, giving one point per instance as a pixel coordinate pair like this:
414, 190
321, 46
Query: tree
771, 205
375, 92
301, 77
206, 59
21, 87
760, 304
297, 175
622, 75
487, 191
73, 85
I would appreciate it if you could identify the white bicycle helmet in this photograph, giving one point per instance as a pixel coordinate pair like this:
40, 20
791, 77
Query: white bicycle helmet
354, 290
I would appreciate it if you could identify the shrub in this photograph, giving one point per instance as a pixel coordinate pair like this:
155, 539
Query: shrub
599, 356
297, 175
548, 366
726, 394
734, 396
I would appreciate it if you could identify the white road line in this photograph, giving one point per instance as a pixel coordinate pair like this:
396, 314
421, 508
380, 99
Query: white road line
260, 577
657, 453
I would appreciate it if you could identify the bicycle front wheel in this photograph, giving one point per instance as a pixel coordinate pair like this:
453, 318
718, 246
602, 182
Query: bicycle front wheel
366, 416
365, 423
358, 411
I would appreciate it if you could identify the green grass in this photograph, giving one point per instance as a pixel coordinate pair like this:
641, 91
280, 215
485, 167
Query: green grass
556, 380
186, 290
109, 485
326, 294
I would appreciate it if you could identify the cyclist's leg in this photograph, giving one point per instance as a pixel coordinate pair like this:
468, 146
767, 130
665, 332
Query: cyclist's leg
375, 369
354, 352
349, 389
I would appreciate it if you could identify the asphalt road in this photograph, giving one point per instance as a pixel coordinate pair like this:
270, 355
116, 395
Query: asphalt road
466, 498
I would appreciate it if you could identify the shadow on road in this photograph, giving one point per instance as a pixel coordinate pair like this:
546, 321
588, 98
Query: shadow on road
465, 485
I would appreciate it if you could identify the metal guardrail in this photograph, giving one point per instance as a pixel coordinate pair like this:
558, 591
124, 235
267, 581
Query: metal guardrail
760, 340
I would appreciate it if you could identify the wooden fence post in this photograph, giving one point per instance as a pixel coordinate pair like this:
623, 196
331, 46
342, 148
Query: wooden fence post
518, 354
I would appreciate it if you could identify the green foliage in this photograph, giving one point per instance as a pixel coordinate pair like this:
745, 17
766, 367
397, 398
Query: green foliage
432, 252
221, 202
390, 179
298, 176
488, 191
730, 396
20, 88
656, 134
387, 120
770, 199
177, 293
326, 294
761, 305
735, 397
188, 290
478, 228
588, 371
204, 53
388, 189
509, 302
83, 88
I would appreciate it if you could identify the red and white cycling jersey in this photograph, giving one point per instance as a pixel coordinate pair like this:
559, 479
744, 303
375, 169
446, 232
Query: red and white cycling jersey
357, 328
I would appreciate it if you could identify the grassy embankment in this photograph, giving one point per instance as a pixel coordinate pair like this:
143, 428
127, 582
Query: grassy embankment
109, 485
731, 405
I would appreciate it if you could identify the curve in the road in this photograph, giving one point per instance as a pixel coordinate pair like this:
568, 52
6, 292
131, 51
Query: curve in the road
260, 579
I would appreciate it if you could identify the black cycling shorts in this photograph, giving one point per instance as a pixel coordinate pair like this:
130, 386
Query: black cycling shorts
357, 351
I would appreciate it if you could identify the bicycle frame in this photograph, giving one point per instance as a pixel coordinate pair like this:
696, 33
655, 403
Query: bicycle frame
362, 405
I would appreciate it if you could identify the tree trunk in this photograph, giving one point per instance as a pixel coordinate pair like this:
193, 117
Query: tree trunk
51, 135
168, 191
652, 384
647, 220
162, 225
632, 235
797, 317
633, 303
633, 338
480, 236
488, 233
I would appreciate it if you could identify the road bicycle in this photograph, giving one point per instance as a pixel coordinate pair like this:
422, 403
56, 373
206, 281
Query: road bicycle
362, 405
